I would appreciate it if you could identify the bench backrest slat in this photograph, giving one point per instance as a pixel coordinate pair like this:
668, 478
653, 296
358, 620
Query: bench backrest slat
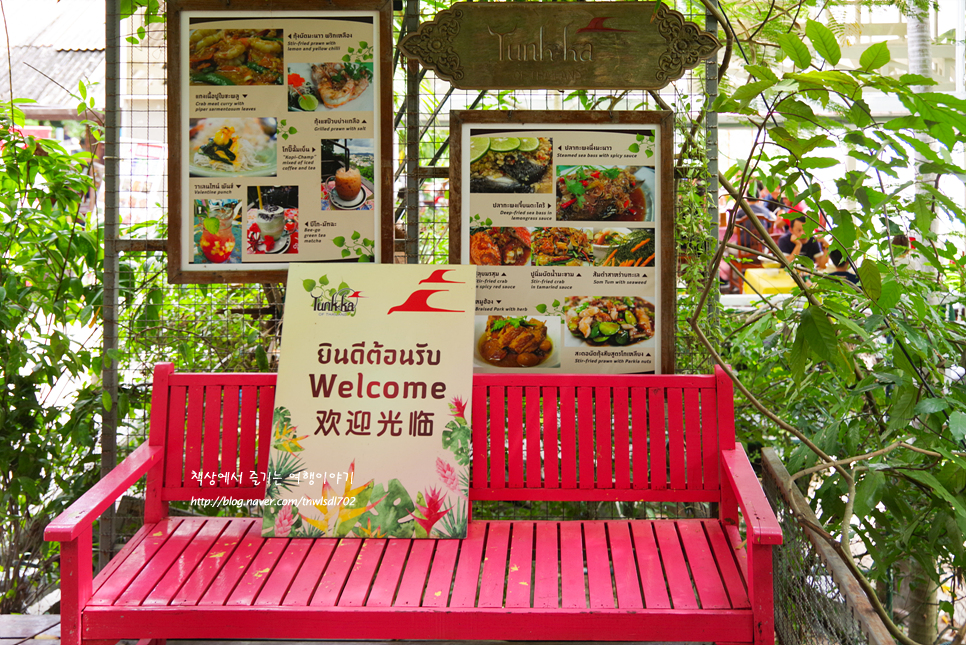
550, 437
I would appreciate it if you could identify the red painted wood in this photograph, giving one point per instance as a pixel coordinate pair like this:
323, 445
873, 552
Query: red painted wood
258, 572
441, 574
155, 569
497, 438
260, 623
710, 447
704, 571
656, 439
212, 436
203, 379
585, 437
762, 524
532, 428
307, 579
725, 559
361, 578
551, 474
283, 573
599, 583
468, 566
639, 436
649, 566
675, 432
121, 556
545, 578
593, 495
572, 593
568, 437
605, 443
494, 565
480, 434
113, 587
174, 448
761, 592
524, 378
266, 409
726, 408
214, 560
514, 413
675, 566
247, 434
622, 446
692, 430
229, 445
518, 589
82, 513
336, 574
626, 583
75, 585
154, 508
413, 582
239, 561
193, 437
390, 571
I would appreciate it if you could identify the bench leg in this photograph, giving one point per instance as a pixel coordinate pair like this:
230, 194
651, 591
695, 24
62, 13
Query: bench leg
763, 597
76, 569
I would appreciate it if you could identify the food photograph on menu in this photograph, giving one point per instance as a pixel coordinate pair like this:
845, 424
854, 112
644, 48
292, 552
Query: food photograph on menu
236, 56
550, 209
329, 86
233, 148
348, 166
273, 219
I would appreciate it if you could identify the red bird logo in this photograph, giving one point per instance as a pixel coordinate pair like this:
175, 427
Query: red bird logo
419, 301
437, 277
597, 25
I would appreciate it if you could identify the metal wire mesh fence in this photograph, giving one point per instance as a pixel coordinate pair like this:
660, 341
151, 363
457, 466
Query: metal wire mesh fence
817, 601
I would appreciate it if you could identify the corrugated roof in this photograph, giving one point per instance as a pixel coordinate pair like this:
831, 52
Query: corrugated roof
60, 40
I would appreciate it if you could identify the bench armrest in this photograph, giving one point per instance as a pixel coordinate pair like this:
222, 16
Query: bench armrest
82, 513
763, 527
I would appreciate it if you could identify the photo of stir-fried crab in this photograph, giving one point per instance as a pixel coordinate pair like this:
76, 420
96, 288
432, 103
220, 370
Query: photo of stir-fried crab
609, 321
500, 246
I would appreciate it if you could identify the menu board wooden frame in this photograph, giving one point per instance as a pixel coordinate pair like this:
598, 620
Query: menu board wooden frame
181, 223
605, 121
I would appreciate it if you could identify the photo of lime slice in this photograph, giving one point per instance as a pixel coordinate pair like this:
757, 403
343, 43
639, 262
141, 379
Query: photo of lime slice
211, 224
478, 147
504, 144
529, 144
308, 102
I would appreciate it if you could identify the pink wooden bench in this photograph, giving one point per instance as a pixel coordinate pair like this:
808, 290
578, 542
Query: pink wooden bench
535, 437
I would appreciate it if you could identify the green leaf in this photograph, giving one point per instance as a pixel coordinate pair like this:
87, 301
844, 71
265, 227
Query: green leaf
761, 73
808, 163
793, 46
875, 56
339, 241
890, 295
867, 493
870, 279
82, 88
824, 41
541, 308
929, 480
261, 358
106, 401
957, 425
819, 333
931, 406
356, 235
635, 148
308, 285
751, 90
798, 358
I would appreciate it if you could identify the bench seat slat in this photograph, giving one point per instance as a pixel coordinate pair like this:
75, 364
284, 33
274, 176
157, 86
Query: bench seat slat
649, 564
704, 571
158, 566
336, 574
413, 583
573, 594
521, 565
545, 580
283, 573
114, 586
626, 582
387, 580
468, 566
258, 572
239, 561
120, 558
187, 561
599, 583
726, 565
494, 565
441, 574
675, 566
307, 579
363, 573
213, 561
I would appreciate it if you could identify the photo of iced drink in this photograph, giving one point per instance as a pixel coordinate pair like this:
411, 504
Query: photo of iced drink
271, 221
348, 183
217, 239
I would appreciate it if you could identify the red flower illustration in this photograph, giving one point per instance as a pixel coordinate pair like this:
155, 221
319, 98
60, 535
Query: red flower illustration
296, 81
431, 512
447, 474
457, 407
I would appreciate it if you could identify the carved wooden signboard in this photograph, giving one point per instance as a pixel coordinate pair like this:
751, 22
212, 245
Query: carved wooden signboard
599, 45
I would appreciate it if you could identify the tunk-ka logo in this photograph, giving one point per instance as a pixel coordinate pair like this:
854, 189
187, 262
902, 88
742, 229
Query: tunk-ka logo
332, 301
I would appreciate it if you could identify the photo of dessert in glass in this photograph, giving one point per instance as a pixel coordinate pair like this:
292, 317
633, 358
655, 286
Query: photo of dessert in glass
347, 174
272, 225
217, 231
